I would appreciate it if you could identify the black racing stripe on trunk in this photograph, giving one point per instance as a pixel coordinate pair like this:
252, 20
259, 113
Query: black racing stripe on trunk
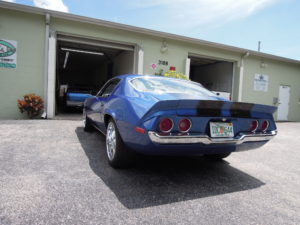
239, 109
210, 108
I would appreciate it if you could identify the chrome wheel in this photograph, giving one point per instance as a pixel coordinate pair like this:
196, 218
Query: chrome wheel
117, 154
111, 141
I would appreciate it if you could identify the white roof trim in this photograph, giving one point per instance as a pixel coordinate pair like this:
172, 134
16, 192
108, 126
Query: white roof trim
83, 19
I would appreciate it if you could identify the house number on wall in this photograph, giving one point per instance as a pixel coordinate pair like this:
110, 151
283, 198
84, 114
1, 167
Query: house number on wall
163, 62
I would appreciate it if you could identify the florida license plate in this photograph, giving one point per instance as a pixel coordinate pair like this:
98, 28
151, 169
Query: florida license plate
219, 129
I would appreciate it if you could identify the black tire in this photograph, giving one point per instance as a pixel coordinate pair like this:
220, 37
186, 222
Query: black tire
218, 156
117, 154
88, 127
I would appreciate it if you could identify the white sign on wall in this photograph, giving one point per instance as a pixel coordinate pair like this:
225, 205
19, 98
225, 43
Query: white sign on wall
261, 82
8, 53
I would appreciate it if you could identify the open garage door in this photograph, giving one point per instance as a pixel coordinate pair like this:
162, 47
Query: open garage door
83, 66
215, 75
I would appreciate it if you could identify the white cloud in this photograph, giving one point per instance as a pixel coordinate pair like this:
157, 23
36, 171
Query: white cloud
56, 5
191, 13
9, 0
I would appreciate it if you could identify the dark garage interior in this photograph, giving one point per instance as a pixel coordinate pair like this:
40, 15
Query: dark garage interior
84, 68
215, 75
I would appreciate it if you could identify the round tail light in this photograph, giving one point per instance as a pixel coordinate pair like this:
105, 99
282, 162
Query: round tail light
166, 125
185, 125
265, 126
254, 126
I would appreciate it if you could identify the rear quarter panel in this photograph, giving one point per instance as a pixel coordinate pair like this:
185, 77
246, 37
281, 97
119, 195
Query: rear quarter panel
127, 113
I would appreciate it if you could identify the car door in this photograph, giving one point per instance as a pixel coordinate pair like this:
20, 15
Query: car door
101, 102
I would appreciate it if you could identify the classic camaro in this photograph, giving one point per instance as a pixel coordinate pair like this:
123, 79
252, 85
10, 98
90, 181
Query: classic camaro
158, 115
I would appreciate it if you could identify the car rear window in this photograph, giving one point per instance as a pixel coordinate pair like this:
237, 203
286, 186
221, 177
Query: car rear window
169, 85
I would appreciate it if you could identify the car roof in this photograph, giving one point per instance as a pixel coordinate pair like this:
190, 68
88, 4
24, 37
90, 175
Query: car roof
139, 75
129, 76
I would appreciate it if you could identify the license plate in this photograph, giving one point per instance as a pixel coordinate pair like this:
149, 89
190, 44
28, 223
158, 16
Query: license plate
218, 129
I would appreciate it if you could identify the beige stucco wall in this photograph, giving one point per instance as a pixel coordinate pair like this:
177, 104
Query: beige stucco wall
280, 73
29, 32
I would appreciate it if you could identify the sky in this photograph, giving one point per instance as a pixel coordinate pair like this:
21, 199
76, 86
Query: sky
240, 23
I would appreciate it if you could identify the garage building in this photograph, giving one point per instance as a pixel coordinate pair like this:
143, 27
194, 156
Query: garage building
44, 51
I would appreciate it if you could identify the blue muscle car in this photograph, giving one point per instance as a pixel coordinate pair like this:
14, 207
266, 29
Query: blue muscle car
157, 115
75, 96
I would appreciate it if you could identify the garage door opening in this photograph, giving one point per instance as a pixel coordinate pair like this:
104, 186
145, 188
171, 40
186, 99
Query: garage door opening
215, 75
82, 69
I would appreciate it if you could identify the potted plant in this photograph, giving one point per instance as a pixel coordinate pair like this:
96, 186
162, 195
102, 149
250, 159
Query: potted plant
172, 73
31, 104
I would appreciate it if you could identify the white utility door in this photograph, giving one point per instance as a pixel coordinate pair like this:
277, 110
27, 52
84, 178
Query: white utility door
283, 102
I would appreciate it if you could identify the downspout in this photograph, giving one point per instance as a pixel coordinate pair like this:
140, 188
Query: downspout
47, 33
242, 76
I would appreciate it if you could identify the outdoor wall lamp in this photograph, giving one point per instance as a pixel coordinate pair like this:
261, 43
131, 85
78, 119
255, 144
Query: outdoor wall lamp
164, 47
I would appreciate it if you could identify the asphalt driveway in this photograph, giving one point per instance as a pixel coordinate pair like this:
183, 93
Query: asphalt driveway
52, 172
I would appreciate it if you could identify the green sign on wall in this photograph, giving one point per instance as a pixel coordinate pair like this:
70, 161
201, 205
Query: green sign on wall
8, 53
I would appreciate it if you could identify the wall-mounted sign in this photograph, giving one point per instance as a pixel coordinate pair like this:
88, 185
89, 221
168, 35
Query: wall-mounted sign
153, 66
163, 62
8, 53
261, 82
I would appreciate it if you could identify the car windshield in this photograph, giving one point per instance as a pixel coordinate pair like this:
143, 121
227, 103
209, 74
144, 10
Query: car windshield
160, 85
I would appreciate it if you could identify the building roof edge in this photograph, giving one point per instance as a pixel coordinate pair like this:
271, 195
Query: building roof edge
84, 19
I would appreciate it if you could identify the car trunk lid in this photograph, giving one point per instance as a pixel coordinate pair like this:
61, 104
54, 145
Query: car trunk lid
212, 108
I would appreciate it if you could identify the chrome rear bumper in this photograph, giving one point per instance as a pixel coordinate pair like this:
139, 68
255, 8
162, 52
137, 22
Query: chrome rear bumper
204, 139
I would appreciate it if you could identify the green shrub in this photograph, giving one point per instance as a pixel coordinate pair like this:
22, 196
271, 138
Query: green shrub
173, 73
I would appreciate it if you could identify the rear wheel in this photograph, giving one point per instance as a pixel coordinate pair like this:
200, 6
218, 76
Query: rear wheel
117, 154
218, 156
